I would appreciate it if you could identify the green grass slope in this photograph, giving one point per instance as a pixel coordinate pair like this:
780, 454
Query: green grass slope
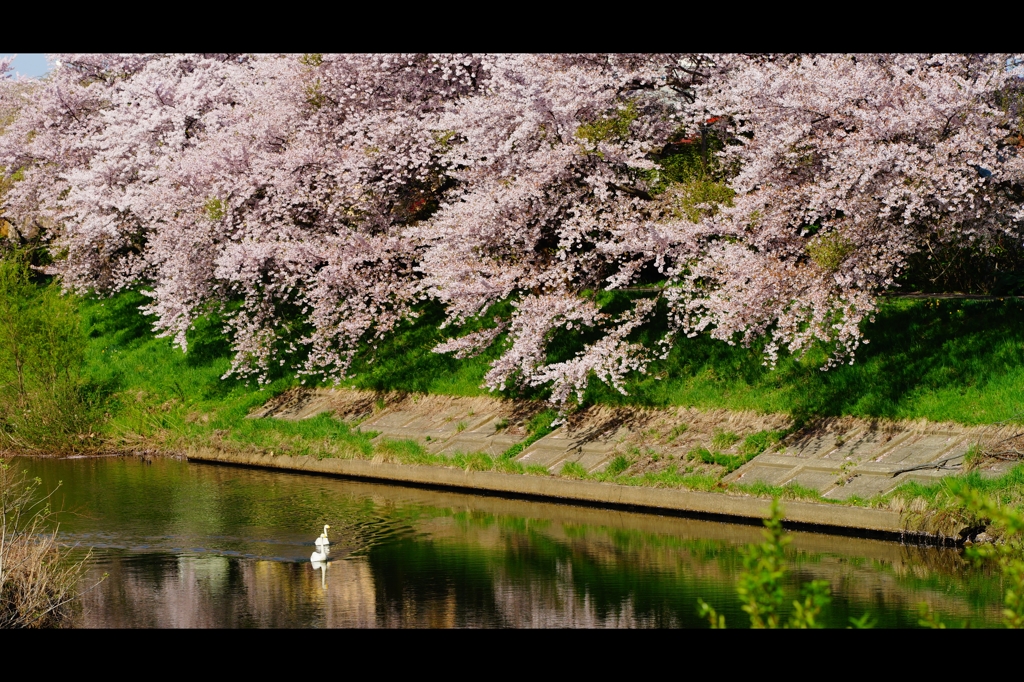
944, 360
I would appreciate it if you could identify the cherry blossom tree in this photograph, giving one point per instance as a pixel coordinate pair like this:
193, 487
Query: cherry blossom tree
846, 165
554, 197
316, 201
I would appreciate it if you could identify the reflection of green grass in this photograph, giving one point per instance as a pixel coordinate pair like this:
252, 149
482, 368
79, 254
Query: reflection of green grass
419, 570
656, 577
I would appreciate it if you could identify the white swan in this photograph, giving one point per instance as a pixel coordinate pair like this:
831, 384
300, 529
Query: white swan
322, 541
320, 555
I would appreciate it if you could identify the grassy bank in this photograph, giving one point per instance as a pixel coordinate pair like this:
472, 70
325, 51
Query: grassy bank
941, 360
960, 361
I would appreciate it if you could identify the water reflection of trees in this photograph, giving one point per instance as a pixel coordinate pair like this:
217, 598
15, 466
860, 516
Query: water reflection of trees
486, 570
421, 558
212, 591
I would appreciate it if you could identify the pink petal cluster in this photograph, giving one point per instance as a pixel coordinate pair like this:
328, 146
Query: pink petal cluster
315, 201
845, 166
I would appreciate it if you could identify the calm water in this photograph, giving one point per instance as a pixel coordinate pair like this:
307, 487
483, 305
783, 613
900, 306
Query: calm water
195, 545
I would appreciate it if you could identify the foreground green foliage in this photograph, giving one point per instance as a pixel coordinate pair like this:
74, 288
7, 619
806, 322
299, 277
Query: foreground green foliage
1004, 551
760, 586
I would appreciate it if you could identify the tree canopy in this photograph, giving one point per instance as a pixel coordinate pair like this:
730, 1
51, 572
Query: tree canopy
318, 200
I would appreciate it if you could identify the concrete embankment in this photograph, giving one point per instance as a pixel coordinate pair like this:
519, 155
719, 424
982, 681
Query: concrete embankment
840, 458
814, 516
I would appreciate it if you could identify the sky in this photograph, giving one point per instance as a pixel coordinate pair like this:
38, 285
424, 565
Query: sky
31, 65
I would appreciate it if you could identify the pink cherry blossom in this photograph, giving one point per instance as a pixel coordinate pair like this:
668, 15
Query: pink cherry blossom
316, 201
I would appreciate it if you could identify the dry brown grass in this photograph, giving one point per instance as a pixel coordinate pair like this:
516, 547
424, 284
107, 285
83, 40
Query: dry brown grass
38, 582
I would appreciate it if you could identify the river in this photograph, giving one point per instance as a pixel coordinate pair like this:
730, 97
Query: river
187, 545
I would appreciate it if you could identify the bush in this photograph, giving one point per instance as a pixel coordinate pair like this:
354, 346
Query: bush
760, 586
1006, 524
37, 581
42, 347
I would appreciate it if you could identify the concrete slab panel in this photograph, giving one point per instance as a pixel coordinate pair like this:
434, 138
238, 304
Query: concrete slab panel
469, 441
862, 486
878, 469
390, 432
484, 424
390, 420
434, 425
861, 447
434, 446
546, 457
922, 449
927, 477
504, 440
818, 480
598, 449
779, 460
556, 468
593, 460
466, 445
813, 447
559, 434
765, 474
997, 470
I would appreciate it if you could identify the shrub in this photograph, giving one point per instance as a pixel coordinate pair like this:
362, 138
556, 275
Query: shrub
1007, 523
42, 347
574, 470
617, 466
760, 586
38, 583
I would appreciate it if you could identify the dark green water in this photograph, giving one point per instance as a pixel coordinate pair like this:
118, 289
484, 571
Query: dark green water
194, 545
